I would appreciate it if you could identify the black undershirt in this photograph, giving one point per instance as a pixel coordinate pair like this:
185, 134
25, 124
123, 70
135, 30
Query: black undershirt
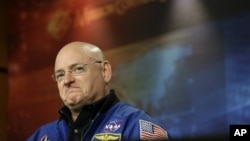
78, 128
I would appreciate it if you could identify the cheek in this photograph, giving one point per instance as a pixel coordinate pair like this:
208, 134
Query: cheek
61, 92
87, 85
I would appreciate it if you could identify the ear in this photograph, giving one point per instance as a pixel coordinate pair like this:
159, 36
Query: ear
106, 71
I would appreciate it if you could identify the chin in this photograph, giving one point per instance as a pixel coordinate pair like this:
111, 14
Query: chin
74, 106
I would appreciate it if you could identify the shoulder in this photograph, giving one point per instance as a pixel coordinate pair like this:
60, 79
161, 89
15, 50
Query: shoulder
45, 132
49, 125
127, 110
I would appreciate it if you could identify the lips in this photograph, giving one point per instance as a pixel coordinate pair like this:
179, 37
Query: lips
73, 89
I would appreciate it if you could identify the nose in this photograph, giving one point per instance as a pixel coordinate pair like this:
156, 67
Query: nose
68, 78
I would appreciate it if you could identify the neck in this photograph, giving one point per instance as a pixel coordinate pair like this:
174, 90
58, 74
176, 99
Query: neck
74, 115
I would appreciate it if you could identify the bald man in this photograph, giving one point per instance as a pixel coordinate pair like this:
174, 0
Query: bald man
92, 111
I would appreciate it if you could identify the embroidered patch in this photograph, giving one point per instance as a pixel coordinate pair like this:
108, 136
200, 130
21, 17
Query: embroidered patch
45, 138
106, 137
112, 126
150, 131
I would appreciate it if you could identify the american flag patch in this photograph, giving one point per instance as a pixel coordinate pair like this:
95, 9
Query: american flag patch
150, 131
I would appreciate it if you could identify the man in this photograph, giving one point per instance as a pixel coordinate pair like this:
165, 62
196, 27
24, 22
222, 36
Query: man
92, 111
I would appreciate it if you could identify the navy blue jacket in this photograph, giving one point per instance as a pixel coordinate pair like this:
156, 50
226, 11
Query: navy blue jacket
119, 122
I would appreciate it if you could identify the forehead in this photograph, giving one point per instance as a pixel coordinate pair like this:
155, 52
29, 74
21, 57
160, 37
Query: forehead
69, 56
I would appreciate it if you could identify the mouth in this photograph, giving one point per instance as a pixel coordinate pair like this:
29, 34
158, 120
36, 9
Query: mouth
72, 96
73, 89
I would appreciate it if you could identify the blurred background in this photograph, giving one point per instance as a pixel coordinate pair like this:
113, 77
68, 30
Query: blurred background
186, 62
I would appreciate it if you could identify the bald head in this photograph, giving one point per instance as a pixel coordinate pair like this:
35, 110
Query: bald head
87, 50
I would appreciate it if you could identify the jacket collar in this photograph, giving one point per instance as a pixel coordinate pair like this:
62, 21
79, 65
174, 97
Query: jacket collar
88, 112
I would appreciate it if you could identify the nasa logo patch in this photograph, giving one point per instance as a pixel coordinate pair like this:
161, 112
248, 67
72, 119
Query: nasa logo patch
112, 126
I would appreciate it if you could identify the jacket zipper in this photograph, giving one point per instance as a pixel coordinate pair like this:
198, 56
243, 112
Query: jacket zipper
92, 121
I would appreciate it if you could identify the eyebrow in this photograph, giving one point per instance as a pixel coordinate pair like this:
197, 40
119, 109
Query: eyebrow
70, 67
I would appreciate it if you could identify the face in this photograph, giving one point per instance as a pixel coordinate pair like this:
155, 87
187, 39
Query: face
84, 88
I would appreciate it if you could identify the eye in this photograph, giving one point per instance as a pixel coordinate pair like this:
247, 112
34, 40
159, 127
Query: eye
59, 75
78, 69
